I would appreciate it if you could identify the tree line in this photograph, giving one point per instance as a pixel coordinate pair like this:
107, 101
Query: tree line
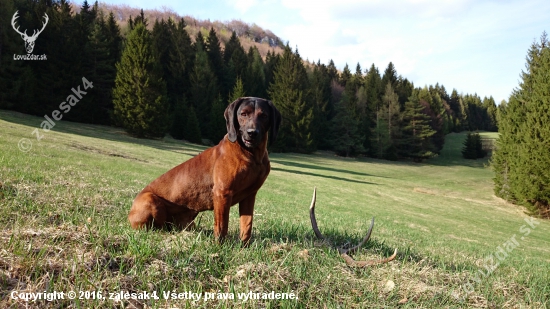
157, 79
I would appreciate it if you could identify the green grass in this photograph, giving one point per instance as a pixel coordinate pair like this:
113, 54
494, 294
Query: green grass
63, 219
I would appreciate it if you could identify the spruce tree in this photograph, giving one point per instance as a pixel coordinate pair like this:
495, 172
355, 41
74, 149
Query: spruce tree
215, 56
238, 91
271, 61
179, 120
503, 160
163, 44
344, 136
345, 77
391, 114
102, 52
323, 109
404, 89
491, 109
389, 76
534, 153
416, 139
182, 57
254, 82
139, 96
218, 128
369, 120
473, 148
521, 160
288, 92
430, 102
235, 61
193, 131
333, 72
204, 88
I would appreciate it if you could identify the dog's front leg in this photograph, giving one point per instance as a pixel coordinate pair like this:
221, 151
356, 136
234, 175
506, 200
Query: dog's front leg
246, 211
222, 203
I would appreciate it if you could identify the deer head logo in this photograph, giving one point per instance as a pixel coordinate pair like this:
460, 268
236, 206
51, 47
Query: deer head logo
29, 40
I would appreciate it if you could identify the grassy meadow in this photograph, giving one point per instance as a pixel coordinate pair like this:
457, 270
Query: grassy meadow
63, 227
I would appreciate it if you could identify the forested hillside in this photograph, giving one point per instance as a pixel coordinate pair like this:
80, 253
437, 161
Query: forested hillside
155, 72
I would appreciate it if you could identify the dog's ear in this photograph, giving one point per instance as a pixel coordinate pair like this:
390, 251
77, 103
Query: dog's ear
231, 121
275, 122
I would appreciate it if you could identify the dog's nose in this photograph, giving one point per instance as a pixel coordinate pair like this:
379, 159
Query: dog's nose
252, 132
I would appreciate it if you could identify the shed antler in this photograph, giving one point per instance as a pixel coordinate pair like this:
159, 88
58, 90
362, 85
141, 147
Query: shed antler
344, 252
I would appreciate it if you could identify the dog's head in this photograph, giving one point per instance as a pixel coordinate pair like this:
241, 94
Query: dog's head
250, 118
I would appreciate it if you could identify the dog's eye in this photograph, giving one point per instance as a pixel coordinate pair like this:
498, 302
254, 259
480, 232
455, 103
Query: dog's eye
263, 116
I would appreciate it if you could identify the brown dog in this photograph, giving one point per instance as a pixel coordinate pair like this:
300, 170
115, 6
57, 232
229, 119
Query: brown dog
231, 172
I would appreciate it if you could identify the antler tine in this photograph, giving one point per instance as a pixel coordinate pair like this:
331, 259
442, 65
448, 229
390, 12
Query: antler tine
365, 239
15, 16
351, 262
43, 25
344, 252
312, 216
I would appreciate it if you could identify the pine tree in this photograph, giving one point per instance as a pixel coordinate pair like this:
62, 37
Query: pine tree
139, 96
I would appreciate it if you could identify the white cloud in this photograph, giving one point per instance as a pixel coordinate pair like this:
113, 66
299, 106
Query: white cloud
242, 5
463, 44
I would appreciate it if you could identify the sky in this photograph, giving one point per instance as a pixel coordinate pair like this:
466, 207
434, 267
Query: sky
473, 46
